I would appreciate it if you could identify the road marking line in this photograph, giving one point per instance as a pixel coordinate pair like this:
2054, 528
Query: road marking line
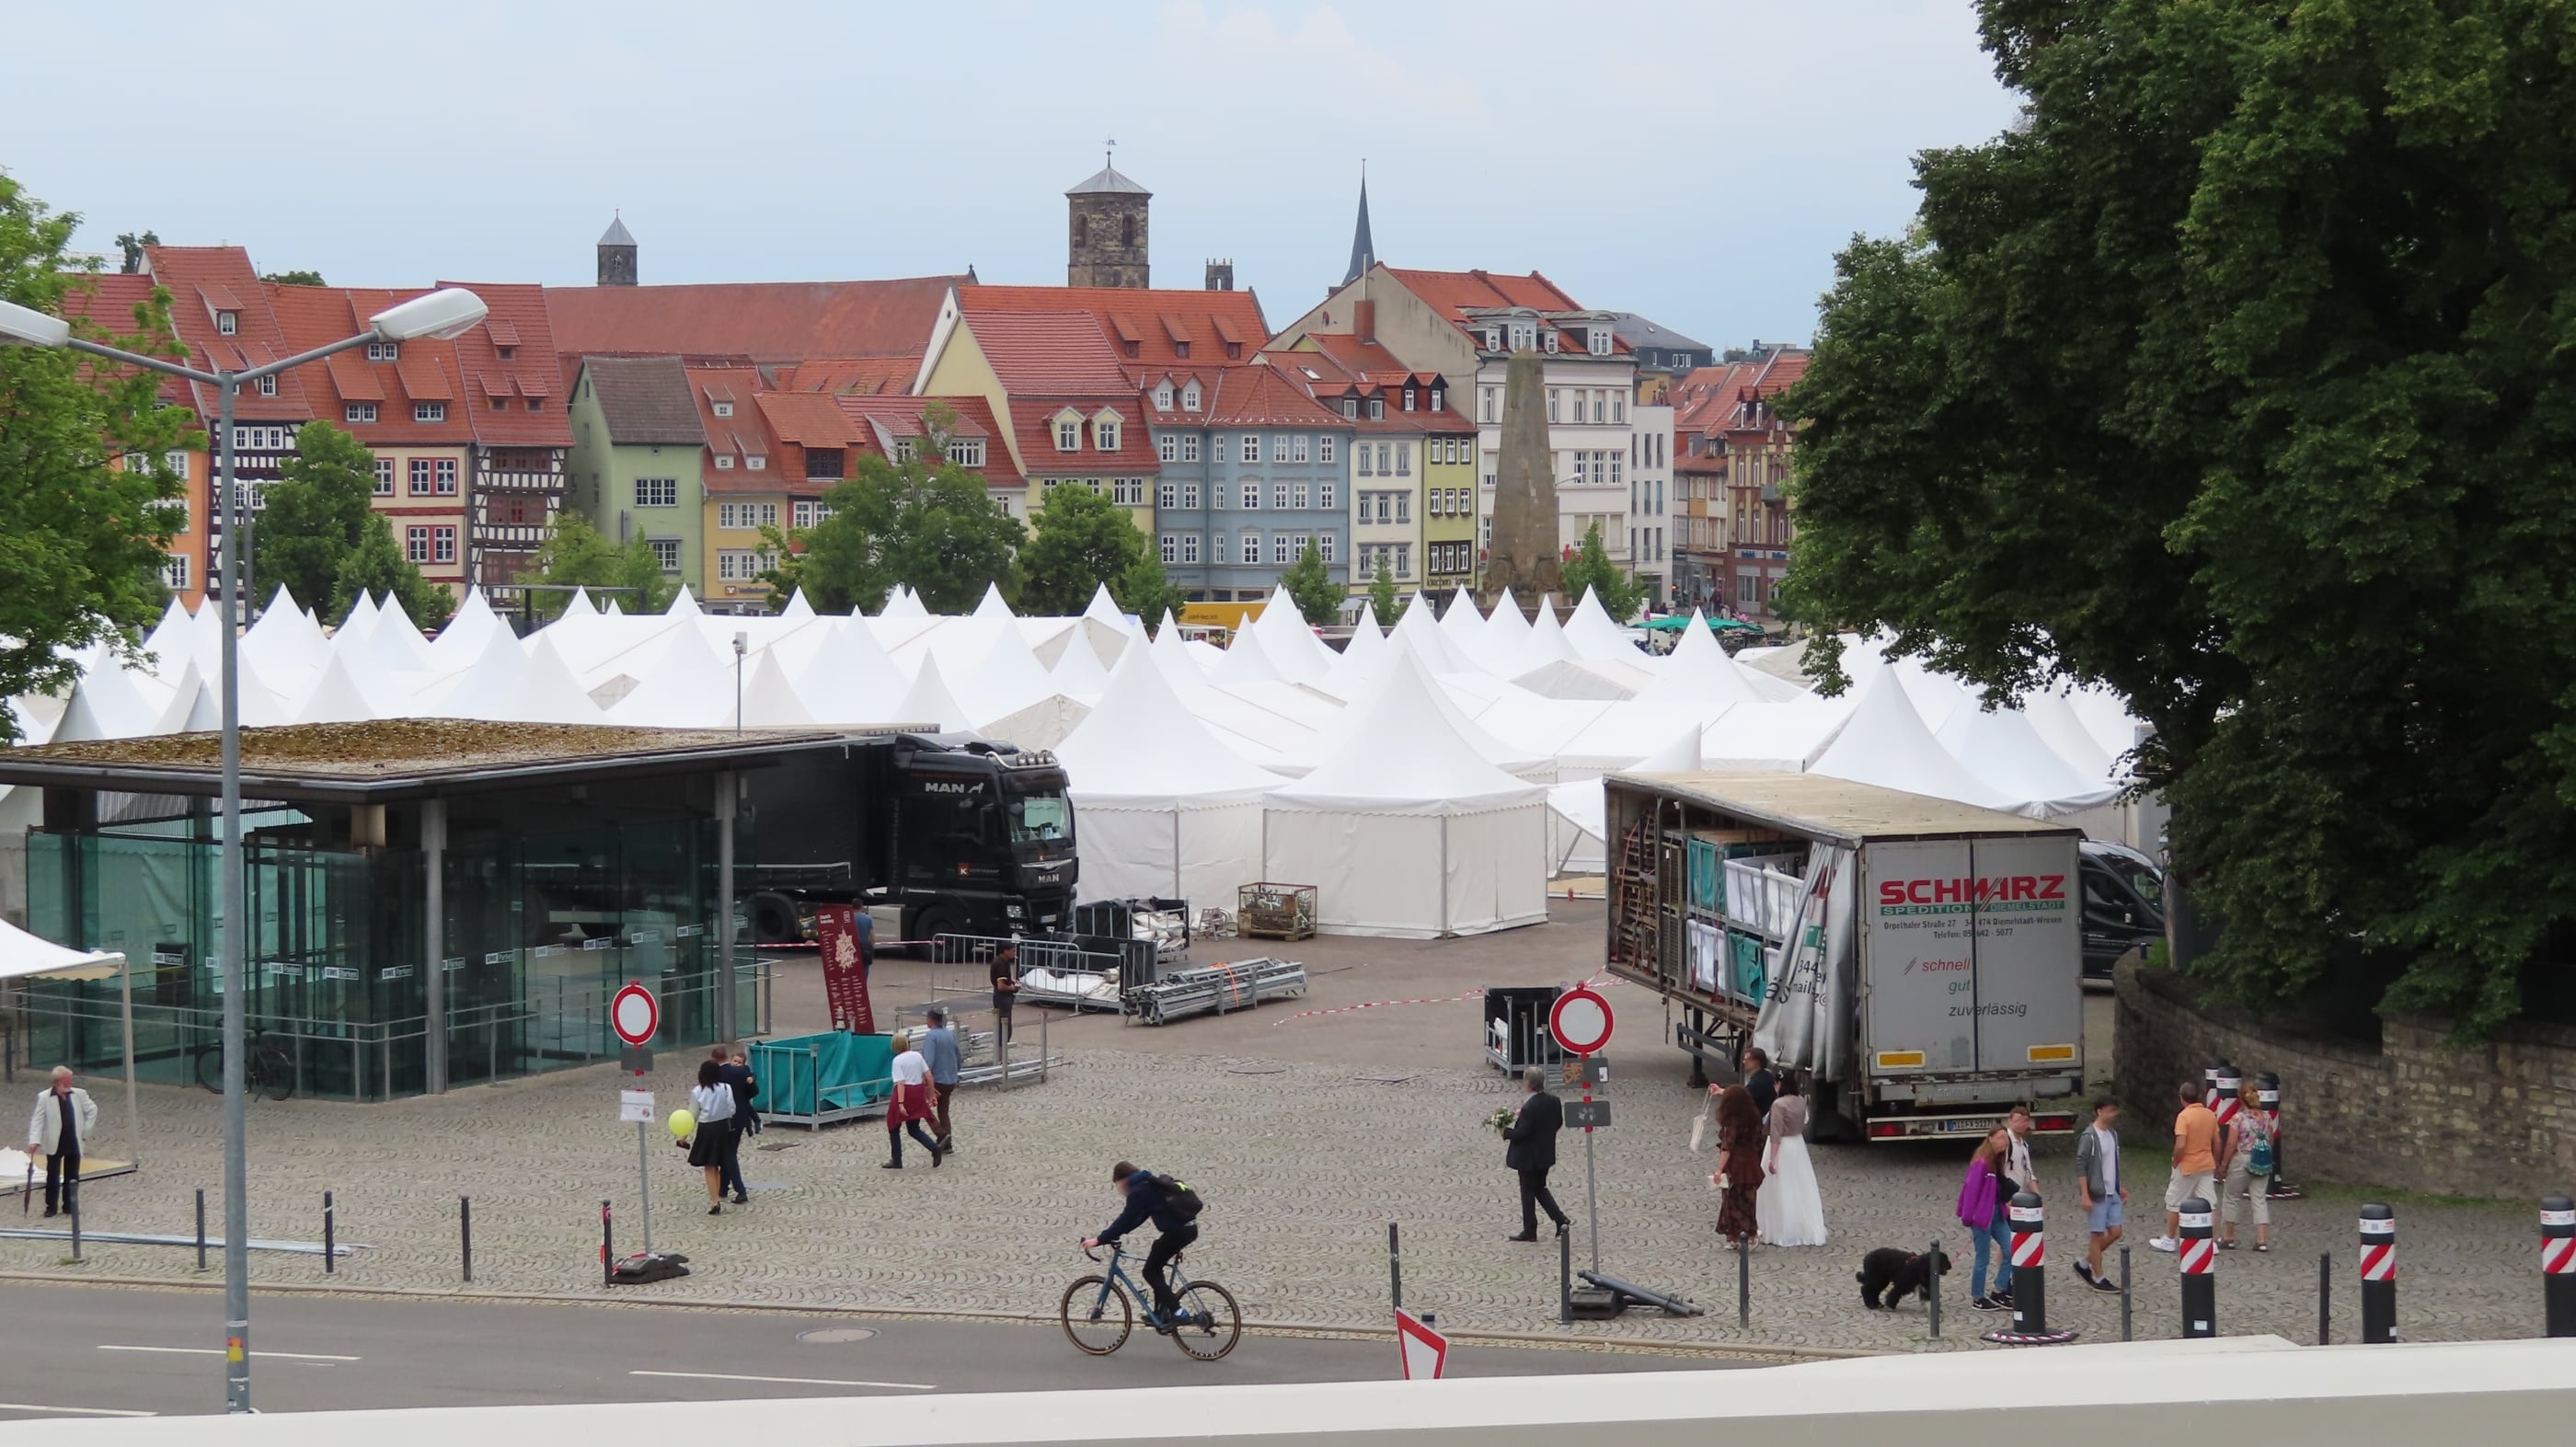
74, 1411
219, 1351
792, 1381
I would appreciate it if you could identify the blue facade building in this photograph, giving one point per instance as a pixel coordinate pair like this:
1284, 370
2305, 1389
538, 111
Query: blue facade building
1253, 469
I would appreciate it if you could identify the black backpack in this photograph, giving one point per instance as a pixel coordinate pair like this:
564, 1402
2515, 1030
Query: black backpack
1179, 1199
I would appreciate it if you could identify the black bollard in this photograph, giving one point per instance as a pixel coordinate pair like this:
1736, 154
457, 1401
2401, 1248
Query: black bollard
465, 1233
2378, 1273
1743, 1281
607, 1248
71, 1203
2230, 1098
330, 1254
2267, 1099
2325, 1297
2029, 1265
2558, 1263
201, 1230
2128, 1330
2210, 1070
1934, 1277
1565, 1276
2199, 1253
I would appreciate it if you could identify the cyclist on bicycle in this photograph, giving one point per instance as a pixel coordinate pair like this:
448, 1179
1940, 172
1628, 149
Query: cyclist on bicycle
1147, 1201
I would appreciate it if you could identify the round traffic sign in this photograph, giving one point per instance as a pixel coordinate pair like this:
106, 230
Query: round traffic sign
636, 1014
1580, 1021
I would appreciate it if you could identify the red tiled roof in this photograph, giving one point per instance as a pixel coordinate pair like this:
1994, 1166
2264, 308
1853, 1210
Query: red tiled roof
1150, 320
191, 272
312, 316
1709, 399
769, 321
107, 300
1451, 292
1033, 418
1266, 397
518, 324
1337, 376
744, 433
808, 419
863, 375
887, 419
1055, 352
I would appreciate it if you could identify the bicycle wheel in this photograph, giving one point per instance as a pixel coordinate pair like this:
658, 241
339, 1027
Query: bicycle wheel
276, 1075
1209, 1324
1097, 1316
210, 1068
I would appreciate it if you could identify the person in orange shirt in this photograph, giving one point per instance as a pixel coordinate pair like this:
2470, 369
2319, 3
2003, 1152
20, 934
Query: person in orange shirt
2197, 1151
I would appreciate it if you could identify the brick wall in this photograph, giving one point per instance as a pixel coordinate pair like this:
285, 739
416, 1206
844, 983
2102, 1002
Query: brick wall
2491, 1120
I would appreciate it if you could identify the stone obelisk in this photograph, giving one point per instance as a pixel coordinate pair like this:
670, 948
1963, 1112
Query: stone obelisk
1525, 556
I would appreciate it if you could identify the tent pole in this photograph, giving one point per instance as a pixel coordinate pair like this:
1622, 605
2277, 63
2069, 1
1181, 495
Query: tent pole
1444, 874
125, 1008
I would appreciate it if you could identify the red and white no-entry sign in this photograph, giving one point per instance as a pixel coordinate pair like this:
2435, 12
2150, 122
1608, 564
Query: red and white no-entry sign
1580, 1021
636, 1015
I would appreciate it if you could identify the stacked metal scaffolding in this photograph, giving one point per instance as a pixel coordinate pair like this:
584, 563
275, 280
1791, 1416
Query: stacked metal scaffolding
1215, 989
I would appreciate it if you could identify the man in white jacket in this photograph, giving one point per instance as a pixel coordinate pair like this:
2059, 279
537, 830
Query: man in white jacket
58, 1129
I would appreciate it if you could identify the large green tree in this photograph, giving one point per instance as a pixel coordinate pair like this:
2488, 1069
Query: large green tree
315, 526
81, 536
1147, 591
2240, 375
575, 554
924, 521
1310, 583
1081, 540
1382, 593
1621, 595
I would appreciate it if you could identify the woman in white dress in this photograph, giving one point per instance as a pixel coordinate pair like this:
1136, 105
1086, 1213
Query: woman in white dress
1791, 1209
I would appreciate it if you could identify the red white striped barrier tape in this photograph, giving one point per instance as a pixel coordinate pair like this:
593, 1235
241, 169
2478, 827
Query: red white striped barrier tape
1594, 983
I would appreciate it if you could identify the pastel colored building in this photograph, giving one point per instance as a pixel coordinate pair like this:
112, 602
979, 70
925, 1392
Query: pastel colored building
635, 459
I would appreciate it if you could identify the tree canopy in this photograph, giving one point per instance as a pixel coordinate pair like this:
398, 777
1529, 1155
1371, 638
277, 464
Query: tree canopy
1080, 540
2238, 376
1311, 584
1382, 593
925, 521
1621, 596
81, 534
317, 537
575, 554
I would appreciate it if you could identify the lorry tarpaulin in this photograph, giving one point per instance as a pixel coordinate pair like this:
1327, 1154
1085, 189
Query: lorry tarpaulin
1806, 1018
839, 928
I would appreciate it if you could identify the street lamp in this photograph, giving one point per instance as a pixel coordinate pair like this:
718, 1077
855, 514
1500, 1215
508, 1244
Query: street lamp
437, 315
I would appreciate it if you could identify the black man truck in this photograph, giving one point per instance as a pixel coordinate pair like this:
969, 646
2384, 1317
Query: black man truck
1922, 960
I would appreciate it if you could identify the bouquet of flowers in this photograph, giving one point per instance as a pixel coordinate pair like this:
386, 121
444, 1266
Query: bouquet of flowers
1500, 1122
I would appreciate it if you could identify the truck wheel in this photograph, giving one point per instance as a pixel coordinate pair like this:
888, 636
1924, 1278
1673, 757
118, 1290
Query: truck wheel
928, 926
773, 919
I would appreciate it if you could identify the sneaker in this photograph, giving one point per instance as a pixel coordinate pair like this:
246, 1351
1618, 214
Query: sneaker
2106, 1285
2262, 1246
1986, 1303
2165, 1244
2084, 1272
2003, 1299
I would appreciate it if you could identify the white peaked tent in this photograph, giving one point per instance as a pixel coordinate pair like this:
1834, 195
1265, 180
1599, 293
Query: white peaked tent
544, 692
489, 678
1078, 671
1406, 832
1161, 807
579, 605
797, 607
24, 956
684, 685
1885, 743
903, 603
1359, 660
769, 700
683, 605
991, 604
1582, 810
2003, 749
1247, 662
361, 620
612, 610
1698, 671
1496, 648
1432, 639
172, 641
106, 704
1006, 679
1104, 609
2055, 721
1462, 622
1547, 641
928, 701
336, 697
1295, 652
1595, 634
461, 643
1402, 664
849, 680
1170, 654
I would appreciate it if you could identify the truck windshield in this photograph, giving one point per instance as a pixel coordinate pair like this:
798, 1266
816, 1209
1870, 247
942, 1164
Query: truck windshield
2139, 875
1040, 818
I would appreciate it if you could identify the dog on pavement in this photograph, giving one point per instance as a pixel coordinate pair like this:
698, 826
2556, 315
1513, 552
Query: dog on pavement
1898, 1274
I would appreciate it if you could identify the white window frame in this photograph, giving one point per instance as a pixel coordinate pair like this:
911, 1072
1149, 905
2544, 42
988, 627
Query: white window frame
384, 477
666, 552
1251, 451
721, 409
442, 545
1324, 494
1190, 448
1297, 447
1190, 397
227, 324
1280, 554
1167, 496
1251, 550
724, 462
1279, 496
416, 545
657, 492
1163, 397
1324, 448
1104, 434
1171, 549
1325, 547
1298, 491
357, 412
1360, 460
429, 411
1404, 507
1189, 549
1190, 496
174, 571
966, 451
1377, 409
383, 351
1252, 494
1279, 447
1068, 435
1167, 448
1404, 459
756, 461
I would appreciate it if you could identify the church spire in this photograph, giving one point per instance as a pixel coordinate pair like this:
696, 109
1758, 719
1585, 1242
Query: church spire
1363, 250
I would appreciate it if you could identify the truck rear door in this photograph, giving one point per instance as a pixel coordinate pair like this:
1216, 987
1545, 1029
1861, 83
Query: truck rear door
2030, 987
1971, 955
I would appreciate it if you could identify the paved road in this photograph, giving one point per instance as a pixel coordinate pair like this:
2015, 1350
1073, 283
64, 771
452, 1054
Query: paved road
154, 1351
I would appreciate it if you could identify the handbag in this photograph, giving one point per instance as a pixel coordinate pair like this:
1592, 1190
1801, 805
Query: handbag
1701, 1122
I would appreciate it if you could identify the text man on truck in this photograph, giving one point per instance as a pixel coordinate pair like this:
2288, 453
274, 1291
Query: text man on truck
1922, 959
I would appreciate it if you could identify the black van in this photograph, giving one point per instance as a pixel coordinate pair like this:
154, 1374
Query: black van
2124, 905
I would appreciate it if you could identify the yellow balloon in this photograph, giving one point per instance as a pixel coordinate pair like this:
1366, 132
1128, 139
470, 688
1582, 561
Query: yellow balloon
683, 1125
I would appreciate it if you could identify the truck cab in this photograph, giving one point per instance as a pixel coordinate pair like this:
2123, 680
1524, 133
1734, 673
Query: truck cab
982, 838
2124, 895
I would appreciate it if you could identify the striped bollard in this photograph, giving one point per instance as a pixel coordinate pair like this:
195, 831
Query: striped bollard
2378, 1273
2229, 1089
2210, 1070
2199, 1255
2558, 1263
2029, 1278
2267, 1099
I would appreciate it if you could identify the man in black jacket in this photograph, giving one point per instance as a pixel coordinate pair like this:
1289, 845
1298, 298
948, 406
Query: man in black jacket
737, 1076
1532, 1152
1146, 1201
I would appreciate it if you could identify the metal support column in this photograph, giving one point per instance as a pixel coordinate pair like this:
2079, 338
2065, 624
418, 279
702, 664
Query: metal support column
725, 1010
433, 965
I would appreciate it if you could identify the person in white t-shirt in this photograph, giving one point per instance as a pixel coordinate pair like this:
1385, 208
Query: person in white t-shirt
2098, 1186
909, 1106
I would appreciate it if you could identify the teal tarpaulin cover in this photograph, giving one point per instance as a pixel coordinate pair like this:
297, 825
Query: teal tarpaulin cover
804, 1074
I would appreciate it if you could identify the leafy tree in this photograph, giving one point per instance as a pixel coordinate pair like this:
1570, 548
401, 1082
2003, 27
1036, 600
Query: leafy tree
1311, 584
1621, 595
131, 244
1081, 540
314, 535
1382, 593
1147, 591
81, 534
294, 278
2237, 376
924, 521
577, 554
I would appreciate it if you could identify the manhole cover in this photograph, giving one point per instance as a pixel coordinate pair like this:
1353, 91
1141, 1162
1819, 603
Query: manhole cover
834, 1335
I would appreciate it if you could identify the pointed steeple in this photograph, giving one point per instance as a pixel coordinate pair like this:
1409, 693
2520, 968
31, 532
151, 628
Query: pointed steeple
1363, 250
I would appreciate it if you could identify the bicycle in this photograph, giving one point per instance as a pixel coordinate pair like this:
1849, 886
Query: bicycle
266, 1069
1207, 1326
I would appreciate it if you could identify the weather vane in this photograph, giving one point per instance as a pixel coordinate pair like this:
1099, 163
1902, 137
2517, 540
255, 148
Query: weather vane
1109, 156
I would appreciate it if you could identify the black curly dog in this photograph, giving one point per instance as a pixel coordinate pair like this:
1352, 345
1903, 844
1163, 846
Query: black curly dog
1897, 1274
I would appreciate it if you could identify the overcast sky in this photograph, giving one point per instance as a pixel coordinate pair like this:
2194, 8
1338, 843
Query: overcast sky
1697, 162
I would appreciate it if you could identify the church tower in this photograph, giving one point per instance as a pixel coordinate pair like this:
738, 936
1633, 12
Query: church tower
1109, 232
1363, 248
616, 254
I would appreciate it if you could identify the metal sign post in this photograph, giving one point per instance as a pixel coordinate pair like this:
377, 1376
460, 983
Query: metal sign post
637, 1018
1580, 1021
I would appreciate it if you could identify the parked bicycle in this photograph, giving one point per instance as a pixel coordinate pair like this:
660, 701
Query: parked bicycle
266, 1068
1099, 1311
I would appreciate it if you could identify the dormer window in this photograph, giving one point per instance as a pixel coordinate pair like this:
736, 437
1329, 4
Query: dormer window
507, 353
1104, 434
227, 323
1408, 399
723, 409
903, 449
1377, 408
1351, 407
1234, 351
1598, 341
1190, 397
756, 461
1068, 435
268, 385
1547, 342
429, 411
1436, 399
1180, 349
724, 462
384, 351
1493, 339
1524, 336
1163, 397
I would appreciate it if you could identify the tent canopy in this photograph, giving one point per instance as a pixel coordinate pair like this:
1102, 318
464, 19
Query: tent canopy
27, 957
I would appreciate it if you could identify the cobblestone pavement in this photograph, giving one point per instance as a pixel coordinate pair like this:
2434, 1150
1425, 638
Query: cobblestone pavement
1306, 1138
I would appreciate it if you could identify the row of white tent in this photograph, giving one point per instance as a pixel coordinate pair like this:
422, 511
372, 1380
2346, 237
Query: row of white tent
1429, 778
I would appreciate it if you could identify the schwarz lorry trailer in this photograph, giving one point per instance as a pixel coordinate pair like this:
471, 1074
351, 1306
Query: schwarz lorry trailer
1922, 959
932, 833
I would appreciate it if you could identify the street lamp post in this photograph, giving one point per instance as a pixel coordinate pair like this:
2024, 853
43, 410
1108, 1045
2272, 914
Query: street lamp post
436, 315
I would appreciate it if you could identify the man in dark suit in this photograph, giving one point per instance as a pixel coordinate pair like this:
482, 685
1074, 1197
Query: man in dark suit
738, 1077
1532, 1152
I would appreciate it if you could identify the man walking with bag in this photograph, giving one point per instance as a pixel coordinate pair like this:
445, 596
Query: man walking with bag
1532, 1152
61, 1124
